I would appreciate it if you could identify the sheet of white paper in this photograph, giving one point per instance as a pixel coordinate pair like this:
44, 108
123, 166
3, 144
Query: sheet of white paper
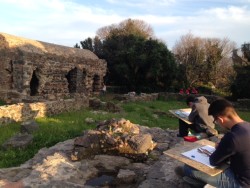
182, 114
186, 114
200, 157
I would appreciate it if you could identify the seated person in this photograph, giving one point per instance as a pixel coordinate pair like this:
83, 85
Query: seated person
201, 121
233, 146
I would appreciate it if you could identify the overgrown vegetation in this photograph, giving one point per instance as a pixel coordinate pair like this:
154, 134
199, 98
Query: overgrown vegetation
70, 125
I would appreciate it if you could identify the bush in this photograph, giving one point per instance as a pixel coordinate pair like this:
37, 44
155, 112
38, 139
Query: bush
2, 103
241, 86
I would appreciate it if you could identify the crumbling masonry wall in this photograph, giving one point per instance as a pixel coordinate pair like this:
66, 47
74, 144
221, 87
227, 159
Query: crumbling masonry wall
26, 111
34, 70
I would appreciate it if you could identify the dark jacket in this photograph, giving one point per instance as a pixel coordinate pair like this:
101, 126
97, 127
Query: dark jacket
235, 146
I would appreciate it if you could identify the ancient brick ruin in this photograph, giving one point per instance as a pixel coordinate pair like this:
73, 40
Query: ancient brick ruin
32, 70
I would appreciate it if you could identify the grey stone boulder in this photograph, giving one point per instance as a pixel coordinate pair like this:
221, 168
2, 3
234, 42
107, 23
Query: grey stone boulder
126, 176
111, 163
20, 141
95, 103
161, 174
89, 120
29, 127
112, 107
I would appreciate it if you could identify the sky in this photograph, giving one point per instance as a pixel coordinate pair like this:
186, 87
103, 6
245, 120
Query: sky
66, 22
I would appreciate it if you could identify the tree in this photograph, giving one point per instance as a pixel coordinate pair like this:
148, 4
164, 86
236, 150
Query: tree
87, 44
189, 53
200, 59
241, 85
138, 63
245, 48
127, 27
95, 45
135, 60
77, 45
98, 47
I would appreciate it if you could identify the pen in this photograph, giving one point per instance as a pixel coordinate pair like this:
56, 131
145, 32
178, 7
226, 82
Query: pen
204, 151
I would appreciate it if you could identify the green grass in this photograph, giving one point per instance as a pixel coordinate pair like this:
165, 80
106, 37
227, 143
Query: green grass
69, 125
245, 115
2, 103
52, 130
145, 113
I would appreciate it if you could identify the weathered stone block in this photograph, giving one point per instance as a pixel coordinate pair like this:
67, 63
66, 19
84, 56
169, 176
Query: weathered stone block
111, 107
29, 127
126, 176
18, 141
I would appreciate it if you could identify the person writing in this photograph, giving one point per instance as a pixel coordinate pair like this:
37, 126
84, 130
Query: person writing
234, 146
201, 121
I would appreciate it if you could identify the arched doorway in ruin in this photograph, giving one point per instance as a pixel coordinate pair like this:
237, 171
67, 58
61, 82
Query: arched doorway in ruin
96, 83
72, 80
34, 83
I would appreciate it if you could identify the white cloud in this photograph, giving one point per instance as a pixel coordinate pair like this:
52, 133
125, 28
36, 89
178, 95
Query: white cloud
232, 12
55, 21
65, 22
142, 3
231, 22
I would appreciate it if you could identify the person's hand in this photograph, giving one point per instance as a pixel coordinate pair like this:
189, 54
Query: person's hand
217, 144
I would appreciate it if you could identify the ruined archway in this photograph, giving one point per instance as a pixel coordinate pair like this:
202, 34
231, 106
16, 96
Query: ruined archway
96, 83
34, 83
72, 80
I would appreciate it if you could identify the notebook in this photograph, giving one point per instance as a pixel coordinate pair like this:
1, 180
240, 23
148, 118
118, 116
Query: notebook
195, 155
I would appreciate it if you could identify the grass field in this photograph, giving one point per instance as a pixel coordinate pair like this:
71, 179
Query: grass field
69, 125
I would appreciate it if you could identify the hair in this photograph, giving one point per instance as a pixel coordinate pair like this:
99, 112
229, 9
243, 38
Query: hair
190, 99
221, 107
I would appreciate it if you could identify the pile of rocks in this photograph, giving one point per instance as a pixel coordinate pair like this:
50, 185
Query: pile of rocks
114, 137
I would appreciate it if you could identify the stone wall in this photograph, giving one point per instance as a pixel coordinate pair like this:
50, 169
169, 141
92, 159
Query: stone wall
181, 97
142, 97
25, 111
133, 97
38, 70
